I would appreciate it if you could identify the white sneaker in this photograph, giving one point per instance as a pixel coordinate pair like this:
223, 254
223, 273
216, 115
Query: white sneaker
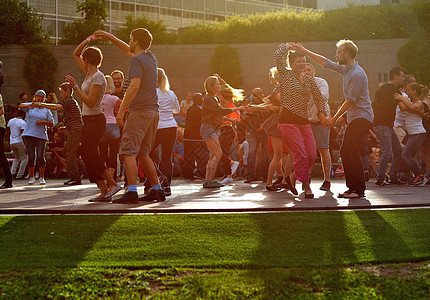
227, 181
31, 181
234, 167
42, 181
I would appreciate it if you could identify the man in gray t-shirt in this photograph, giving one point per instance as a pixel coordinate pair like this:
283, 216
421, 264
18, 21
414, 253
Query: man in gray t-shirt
359, 111
142, 121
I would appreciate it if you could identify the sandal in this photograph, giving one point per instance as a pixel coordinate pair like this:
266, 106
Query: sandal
309, 196
292, 188
272, 188
104, 199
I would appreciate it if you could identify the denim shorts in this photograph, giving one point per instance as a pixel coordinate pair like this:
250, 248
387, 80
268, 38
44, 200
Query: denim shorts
321, 135
112, 132
209, 132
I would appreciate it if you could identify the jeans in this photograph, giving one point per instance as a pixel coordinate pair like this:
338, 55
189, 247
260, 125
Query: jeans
3, 160
255, 140
166, 138
412, 146
72, 160
20, 160
109, 145
300, 139
94, 129
390, 151
353, 140
35, 149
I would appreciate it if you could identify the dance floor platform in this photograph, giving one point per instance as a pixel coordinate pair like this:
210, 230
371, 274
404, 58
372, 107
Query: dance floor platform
190, 197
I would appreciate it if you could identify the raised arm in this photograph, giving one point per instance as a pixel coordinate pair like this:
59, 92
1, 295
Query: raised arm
121, 45
280, 57
319, 59
50, 106
78, 51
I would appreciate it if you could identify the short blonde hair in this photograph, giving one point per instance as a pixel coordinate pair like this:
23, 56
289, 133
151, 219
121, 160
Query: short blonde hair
348, 46
209, 85
110, 86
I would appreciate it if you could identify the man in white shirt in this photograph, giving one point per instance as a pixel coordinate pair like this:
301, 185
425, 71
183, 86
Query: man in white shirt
16, 127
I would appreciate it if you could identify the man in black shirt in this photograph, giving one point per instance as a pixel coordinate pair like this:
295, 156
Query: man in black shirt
384, 109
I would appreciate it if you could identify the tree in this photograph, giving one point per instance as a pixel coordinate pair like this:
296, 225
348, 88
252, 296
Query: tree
226, 63
93, 12
40, 67
157, 29
20, 24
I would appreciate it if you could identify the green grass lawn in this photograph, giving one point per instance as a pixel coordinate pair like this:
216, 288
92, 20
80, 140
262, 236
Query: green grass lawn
214, 255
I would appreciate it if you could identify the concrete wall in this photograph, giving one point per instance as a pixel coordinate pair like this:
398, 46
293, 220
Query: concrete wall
187, 66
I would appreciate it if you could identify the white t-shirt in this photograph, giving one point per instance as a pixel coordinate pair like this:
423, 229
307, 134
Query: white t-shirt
168, 105
96, 79
16, 126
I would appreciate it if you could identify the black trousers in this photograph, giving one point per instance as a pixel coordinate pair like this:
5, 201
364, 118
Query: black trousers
94, 129
353, 140
3, 160
195, 152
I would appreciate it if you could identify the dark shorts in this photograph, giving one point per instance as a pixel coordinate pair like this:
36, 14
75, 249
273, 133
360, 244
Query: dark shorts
139, 133
209, 132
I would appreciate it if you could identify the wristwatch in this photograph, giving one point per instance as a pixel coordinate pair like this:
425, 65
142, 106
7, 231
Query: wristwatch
75, 87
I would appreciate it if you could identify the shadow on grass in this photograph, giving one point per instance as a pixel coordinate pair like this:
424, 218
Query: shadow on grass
49, 241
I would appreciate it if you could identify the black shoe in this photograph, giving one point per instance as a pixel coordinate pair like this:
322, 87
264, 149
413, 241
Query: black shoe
6, 186
292, 189
167, 191
128, 198
73, 182
154, 195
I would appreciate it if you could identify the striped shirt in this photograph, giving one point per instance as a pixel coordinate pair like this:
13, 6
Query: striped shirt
72, 114
295, 94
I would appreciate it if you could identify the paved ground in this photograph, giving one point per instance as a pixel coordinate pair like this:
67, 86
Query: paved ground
189, 196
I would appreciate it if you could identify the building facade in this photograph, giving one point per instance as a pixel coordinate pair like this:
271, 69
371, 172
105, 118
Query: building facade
174, 13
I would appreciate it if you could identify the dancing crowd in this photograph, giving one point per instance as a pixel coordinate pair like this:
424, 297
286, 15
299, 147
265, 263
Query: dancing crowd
135, 127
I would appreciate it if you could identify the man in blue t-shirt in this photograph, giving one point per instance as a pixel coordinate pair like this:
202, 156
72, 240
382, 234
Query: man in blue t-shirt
358, 109
142, 120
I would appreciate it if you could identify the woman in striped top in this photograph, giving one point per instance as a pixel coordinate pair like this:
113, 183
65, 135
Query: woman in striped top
296, 89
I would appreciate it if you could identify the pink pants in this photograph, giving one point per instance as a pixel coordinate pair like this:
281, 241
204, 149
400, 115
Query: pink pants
300, 139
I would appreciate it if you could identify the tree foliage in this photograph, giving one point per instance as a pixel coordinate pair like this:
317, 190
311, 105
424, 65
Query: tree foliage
93, 13
20, 24
226, 63
157, 29
40, 66
356, 22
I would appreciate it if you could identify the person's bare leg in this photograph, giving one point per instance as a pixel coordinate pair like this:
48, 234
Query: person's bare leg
215, 154
325, 162
149, 170
111, 183
101, 184
130, 169
275, 162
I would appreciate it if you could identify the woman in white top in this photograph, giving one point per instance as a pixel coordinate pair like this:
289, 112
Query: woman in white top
91, 94
165, 137
109, 144
414, 127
